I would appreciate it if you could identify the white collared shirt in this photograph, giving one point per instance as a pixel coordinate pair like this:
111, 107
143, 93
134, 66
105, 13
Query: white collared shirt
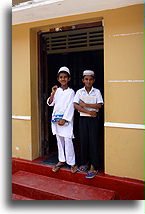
93, 92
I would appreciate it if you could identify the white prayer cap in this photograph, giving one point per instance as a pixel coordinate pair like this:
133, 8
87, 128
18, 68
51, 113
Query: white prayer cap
88, 73
64, 68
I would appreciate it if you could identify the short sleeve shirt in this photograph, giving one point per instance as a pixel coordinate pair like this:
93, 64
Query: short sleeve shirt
93, 92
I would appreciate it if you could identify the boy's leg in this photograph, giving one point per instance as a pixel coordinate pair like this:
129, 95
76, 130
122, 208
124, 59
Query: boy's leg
93, 142
69, 151
61, 147
92, 168
84, 140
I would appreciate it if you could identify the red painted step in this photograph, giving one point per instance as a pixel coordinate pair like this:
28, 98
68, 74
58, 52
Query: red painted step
124, 188
20, 197
41, 187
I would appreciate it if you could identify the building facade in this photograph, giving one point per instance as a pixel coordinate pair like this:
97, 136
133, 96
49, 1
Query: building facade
122, 84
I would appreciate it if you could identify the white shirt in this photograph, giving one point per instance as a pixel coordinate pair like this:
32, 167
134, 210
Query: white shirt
93, 92
63, 102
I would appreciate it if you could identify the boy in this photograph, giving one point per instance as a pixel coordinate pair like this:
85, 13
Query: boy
88, 101
62, 119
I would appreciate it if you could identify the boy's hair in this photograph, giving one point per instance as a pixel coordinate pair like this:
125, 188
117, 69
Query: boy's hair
88, 75
64, 73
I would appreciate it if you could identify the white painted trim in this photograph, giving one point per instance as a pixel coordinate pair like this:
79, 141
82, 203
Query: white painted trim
21, 117
31, 4
131, 81
128, 34
124, 125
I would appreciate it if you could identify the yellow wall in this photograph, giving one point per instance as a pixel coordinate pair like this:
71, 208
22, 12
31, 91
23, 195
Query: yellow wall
124, 100
21, 71
123, 60
21, 105
22, 145
124, 152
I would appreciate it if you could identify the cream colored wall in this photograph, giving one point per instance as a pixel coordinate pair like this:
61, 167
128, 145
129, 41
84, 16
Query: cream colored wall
124, 149
123, 60
124, 152
21, 71
22, 145
21, 106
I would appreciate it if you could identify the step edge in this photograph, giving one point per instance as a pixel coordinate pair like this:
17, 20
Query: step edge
26, 198
79, 184
63, 197
105, 176
38, 191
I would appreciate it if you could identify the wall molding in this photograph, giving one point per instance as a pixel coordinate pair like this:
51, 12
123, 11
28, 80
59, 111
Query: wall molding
124, 125
128, 34
32, 4
18, 117
130, 81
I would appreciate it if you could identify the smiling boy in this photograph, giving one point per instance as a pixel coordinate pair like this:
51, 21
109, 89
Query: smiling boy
88, 100
62, 119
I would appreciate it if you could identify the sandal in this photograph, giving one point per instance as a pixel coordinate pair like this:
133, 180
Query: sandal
57, 167
91, 174
74, 169
83, 168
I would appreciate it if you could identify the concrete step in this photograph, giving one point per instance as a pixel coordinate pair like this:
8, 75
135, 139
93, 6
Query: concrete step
40, 187
20, 197
124, 188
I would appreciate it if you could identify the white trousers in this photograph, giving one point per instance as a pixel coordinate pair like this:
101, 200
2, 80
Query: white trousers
65, 150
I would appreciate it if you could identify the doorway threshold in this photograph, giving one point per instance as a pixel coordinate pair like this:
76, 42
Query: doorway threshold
50, 160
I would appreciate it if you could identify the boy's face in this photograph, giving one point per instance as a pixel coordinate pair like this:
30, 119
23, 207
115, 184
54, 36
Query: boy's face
88, 81
63, 79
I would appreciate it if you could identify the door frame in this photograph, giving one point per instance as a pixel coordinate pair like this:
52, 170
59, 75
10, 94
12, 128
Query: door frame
40, 68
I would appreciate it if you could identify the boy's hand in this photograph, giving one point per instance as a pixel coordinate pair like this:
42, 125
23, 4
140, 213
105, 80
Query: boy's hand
93, 113
54, 88
82, 104
61, 122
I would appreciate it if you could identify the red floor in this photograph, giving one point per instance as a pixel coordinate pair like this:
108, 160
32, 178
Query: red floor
41, 187
63, 185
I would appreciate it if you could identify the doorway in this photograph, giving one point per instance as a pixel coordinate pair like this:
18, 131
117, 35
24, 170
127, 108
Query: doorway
77, 60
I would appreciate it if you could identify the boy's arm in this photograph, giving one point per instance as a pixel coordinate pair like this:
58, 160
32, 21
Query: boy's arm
85, 105
97, 105
51, 98
81, 109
